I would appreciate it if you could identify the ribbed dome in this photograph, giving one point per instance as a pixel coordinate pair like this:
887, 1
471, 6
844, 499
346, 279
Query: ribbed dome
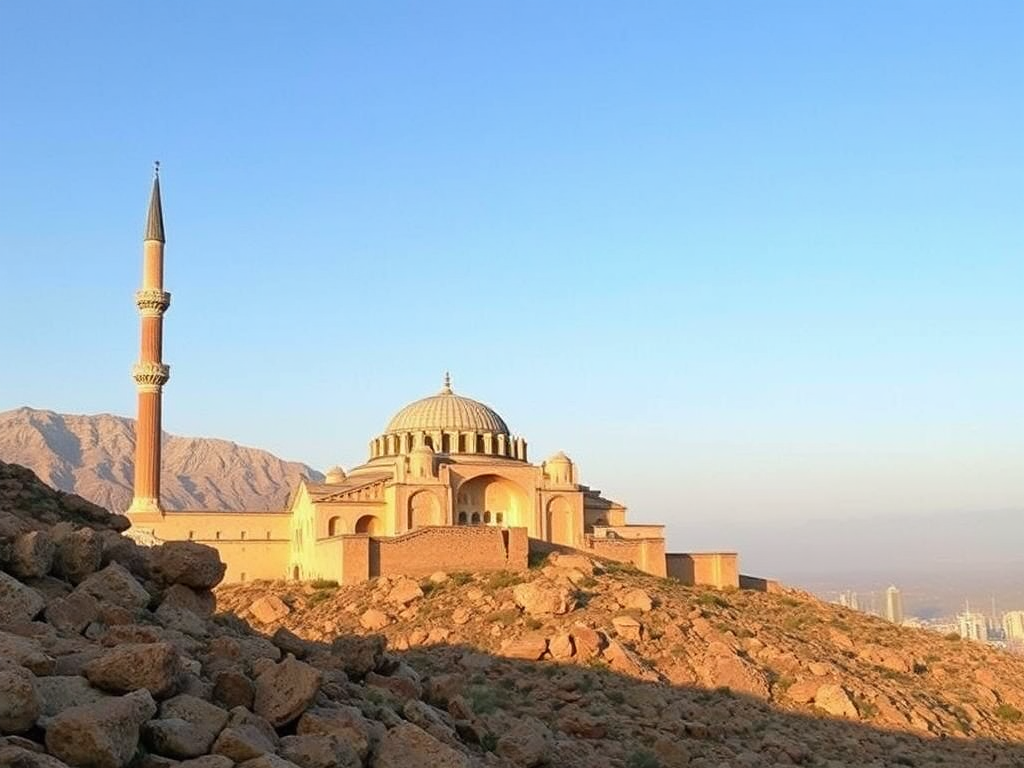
447, 411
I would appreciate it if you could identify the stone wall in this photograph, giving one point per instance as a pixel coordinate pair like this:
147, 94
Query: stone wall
710, 569
426, 551
646, 554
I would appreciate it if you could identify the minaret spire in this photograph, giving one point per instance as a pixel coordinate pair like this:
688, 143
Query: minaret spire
150, 373
155, 219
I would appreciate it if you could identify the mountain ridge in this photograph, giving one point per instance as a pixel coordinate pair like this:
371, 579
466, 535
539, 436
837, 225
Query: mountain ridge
92, 455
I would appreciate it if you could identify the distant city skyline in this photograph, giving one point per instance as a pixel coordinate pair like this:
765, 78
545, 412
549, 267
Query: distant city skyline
746, 269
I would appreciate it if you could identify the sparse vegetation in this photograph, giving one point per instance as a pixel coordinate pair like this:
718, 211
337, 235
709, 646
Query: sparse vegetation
324, 584
1009, 713
711, 599
502, 579
642, 758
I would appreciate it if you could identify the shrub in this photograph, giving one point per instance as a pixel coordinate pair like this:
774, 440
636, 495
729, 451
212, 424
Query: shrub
324, 584
952, 635
502, 579
1009, 713
642, 758
710, 598
319, 596
459, 578
537, 559
533, 623
488, 742
508, 616
485, 699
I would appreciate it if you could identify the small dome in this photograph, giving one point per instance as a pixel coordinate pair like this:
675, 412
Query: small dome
335, 475
447, 411
559, 458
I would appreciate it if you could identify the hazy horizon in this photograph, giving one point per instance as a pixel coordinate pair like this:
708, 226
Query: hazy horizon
756, 269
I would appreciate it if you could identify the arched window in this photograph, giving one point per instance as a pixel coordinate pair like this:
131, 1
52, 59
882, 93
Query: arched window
462, 518
475, 519
332, 526
296, 573
499, 518
243, 535
217, 535
446, 443
487, 517
191, 534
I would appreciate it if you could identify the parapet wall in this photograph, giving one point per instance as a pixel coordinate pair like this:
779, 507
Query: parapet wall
431, 549
646, 554
709, 569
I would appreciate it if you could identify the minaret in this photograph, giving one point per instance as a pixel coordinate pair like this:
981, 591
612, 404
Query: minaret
150, 373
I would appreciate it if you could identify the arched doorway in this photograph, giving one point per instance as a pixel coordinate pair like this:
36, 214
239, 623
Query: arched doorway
424, 509
295, 573
334, 526
494, 500
559, 522
367, 524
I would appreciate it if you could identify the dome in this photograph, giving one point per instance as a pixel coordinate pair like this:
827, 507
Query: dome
335, 475
447, 411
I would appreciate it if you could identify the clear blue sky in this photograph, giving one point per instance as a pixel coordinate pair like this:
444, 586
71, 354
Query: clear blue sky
741, 260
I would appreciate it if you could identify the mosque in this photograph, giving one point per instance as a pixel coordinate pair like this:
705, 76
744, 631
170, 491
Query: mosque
446, 486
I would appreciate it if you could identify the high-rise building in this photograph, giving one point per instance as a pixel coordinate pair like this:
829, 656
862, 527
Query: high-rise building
973, 626
848, 599
893, 605
1013, 625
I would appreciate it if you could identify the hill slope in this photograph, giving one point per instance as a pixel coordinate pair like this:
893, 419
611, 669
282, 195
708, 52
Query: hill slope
110, 656
93, 456
709, 655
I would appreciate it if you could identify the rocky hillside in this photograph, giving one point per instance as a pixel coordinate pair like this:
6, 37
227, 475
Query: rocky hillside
116, 656
630, 664
93, 456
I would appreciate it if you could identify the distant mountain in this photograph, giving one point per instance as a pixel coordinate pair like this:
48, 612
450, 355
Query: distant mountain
93, 456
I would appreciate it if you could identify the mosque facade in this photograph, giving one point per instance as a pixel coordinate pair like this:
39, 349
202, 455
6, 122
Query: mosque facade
446, 486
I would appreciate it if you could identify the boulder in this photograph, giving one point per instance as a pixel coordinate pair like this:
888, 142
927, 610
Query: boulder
373, 620
285, 690
345, 723
189, 563
531, 648
268, 761
588, 642
208, 761
32, 555
201, 602
26, 652
268, 609
405, 591
60, 692
289, 642
310, 751
544, 599
358, 655
207, 720
407, 746
78, 552
580, 563
835, 700
13, 756
18, 602
233, 689
73, 613
561, 647
104, 734
242, 742
19, 701
525, 742
116, 586
173, 737
153, 666
628, 628
635, 600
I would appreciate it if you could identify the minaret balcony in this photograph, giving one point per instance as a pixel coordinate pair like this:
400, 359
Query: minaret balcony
152, 301
151, 374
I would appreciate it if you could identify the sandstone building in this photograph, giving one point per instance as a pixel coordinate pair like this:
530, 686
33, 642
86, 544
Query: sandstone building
446, 486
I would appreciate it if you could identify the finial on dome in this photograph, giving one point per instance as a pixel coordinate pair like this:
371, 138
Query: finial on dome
447, 388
